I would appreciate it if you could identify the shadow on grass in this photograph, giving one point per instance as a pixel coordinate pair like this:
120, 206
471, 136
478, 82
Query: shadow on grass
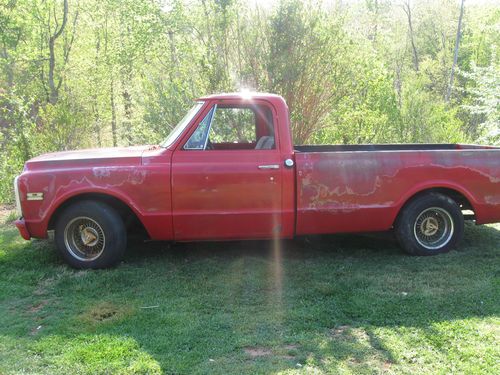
327, 302
299, 248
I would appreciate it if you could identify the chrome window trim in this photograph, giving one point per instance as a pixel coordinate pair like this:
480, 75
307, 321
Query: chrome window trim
211, 112
210, 127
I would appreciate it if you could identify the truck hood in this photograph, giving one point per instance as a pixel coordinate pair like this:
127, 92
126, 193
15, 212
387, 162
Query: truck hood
89, 157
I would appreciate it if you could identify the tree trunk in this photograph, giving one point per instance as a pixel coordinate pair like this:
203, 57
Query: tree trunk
407, 10
113, 111
54, 94
54, 89
126, 79
174, 62
455, 54
95, 101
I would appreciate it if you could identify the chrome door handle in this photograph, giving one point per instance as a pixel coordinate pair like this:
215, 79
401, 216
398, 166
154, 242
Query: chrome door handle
269, 166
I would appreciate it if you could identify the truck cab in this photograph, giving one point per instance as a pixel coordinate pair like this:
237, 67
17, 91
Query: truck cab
232, 170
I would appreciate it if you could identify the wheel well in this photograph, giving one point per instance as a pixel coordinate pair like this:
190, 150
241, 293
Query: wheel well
458, 197
128, 216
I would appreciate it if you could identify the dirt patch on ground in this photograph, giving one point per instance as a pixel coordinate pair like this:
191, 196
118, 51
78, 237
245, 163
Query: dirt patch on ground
259, 351
103, 315
255, 351
37, 307
44, 286
104, 312
340, 330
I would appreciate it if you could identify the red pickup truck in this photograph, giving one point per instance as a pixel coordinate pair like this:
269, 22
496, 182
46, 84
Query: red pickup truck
229, 170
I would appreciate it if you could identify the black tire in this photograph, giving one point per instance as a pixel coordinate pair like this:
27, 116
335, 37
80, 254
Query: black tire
90, 234
429, 224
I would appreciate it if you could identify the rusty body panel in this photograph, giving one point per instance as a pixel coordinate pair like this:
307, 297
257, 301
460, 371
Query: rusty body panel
180, 194
364, 190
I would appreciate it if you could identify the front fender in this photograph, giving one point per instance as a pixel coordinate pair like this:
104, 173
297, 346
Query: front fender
144, 189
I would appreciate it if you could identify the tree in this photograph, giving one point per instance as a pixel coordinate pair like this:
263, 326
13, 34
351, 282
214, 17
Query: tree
309, 64
455, 54
485, 107
407, 10
53, 26
118, 72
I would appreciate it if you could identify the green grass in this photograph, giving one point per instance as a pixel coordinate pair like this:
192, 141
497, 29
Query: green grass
337, 304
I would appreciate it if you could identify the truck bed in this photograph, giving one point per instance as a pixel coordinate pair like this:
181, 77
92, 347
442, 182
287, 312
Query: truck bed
388, 147
360, 188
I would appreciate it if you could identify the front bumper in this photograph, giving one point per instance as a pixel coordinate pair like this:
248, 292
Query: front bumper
23, 230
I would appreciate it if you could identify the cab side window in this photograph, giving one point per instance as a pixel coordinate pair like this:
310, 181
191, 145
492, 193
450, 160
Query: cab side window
230, 127
233, 125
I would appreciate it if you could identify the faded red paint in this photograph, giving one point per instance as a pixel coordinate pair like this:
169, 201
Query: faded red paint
364, 191
221, 194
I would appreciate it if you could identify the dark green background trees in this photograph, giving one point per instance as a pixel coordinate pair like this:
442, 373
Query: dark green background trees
85, 73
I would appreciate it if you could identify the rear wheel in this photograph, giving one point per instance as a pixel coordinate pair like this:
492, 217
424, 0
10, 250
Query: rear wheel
430, 224
90, 234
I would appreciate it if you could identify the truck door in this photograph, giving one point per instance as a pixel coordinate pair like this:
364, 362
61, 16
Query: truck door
227, 175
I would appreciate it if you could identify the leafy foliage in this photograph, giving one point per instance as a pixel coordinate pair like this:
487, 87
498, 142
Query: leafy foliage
485, 105
93, 73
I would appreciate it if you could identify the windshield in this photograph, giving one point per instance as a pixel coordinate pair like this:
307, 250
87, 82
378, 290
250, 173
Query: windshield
174, 134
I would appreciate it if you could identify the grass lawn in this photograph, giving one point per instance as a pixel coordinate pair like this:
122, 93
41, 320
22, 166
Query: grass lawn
337, 304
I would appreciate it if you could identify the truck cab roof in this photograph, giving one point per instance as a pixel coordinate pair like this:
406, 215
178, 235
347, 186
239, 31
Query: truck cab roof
242, 95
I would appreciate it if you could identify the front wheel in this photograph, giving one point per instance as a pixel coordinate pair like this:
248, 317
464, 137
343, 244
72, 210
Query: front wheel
90, 234
430, 224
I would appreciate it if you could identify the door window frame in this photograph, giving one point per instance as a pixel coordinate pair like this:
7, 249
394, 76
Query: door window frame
209, 105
